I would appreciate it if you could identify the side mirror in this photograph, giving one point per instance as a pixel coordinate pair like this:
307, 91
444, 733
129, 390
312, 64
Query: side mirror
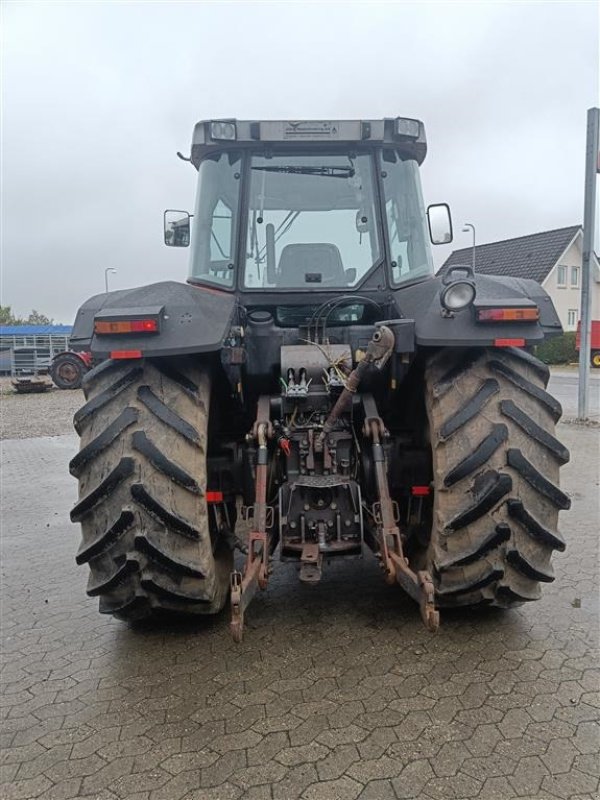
350, 275
440, 223
177, 228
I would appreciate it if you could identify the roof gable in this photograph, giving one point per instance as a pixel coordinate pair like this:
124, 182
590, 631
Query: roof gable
530, 256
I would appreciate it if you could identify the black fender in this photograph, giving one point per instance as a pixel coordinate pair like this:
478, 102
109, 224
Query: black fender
192, 319
421, 302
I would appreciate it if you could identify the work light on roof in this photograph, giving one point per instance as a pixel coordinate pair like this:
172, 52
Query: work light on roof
410, 128
223, 130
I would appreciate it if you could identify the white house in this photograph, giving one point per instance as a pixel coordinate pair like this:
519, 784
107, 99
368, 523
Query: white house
552, 258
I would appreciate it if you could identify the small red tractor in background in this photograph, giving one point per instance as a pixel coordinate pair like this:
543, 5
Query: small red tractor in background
68, 368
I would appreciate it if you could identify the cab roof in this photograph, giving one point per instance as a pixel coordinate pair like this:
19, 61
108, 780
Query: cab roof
402, 133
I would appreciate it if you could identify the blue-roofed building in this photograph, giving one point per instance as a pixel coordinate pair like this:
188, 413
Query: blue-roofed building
30, 348
35, 330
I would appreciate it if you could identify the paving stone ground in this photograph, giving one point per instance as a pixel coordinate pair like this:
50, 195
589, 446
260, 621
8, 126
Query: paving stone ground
336, 692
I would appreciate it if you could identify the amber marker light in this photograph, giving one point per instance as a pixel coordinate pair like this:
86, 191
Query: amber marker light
528, 314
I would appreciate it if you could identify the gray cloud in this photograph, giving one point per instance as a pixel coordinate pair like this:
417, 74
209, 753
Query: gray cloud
97, 97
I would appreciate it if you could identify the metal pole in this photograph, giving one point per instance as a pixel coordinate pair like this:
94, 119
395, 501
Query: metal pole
465, 229
106, 271
591, 169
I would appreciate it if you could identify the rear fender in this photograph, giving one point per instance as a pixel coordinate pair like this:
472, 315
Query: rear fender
193, 319
421, 302
84, 356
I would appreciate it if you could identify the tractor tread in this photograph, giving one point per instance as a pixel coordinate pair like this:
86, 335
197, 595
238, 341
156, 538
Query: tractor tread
535, 431
498, 536
512, 595
170, 520
471, 408
528, 359
466, 581
522, 565
449, 378
168, 416
144, 544
96, 403
148, 539
107, 539
496, 462
169, 371
534, 528
534, 478
158, 586
100, 583
103, 368
126, 418
143, 445
123, 470
552, 406
488, 490
480, 455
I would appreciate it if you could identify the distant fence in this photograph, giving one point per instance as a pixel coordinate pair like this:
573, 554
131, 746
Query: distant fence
29, 349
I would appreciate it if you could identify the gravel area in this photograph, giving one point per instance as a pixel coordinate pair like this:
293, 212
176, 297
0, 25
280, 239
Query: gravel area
23, 416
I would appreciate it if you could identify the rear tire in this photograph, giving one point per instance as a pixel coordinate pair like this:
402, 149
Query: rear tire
595, 359
496, 473
67, 371
142, 481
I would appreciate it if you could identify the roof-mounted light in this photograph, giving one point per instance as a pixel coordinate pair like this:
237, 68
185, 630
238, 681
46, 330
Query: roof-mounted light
410, 128
223, 130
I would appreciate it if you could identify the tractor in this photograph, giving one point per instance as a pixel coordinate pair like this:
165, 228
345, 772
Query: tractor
315, 384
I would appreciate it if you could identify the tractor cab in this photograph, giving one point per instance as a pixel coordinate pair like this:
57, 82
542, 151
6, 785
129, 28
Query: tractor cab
316, 207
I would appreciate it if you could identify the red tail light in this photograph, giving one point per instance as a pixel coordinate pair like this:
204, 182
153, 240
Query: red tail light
103, 327
509, 342
125, 353
214, 497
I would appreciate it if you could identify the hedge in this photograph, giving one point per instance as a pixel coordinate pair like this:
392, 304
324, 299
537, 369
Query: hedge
558, 349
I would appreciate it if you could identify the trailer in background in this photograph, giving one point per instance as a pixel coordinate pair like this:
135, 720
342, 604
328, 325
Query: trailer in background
594, 342
28, 351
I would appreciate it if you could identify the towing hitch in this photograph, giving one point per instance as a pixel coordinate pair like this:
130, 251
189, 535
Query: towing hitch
418, 585
255, 575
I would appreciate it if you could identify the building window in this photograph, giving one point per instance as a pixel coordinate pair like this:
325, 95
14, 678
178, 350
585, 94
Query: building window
574, 277
571, 317
561, 276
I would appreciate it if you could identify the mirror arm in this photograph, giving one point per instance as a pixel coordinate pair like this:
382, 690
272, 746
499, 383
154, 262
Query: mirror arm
183, 158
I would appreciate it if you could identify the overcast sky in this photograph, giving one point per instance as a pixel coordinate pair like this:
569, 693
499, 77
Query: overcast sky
98, 97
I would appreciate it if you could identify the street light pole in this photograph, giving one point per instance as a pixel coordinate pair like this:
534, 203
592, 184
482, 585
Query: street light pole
106, 271
469, 225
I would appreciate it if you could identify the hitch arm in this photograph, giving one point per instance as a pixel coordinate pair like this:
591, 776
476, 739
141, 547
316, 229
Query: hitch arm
255, 574
418, 585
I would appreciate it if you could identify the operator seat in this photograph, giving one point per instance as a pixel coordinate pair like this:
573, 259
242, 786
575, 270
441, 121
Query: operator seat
297, 260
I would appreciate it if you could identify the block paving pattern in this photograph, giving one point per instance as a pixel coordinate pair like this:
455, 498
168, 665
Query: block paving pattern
336, 692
